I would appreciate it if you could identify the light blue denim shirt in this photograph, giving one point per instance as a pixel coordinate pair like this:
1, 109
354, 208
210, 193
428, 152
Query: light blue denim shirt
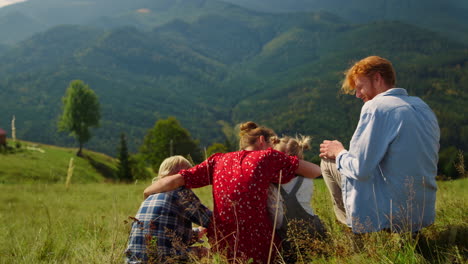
389, 171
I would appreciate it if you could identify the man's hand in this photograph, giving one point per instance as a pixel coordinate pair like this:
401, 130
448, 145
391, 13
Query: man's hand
330, 149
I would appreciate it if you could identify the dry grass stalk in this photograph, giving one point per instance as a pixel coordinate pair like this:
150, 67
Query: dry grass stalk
276, 219
460, 166
71, 166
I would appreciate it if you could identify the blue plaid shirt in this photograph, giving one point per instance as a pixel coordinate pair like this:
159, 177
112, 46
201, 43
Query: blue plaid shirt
162, 229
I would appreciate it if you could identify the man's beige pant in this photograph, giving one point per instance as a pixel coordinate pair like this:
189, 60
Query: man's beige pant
332, 179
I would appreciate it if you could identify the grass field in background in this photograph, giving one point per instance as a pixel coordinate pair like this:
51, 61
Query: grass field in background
33, 163
45, 223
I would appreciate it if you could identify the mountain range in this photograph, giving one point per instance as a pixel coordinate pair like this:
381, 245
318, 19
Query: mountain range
448, 16
213, 64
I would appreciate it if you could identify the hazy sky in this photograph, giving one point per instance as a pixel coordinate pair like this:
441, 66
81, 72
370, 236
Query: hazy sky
9, 2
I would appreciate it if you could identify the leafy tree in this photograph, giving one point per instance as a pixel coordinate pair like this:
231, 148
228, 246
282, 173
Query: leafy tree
81, 111
138, 167
168, 138
231, 138
125, 166
447, 163
216, 148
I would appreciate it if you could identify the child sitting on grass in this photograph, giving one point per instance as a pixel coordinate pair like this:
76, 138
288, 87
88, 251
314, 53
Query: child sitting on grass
294, 200
162, 229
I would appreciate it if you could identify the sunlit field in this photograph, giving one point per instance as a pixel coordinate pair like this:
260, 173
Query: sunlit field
88, 223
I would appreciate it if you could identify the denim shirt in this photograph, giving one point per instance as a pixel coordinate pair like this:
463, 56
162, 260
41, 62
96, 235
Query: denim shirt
389, 171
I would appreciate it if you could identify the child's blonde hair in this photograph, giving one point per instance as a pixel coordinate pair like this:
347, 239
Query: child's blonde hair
172, 165
293, 146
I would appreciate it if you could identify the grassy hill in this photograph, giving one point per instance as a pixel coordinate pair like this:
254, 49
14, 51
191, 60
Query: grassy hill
29, 162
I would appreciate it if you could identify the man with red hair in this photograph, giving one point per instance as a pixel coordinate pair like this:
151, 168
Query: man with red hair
386, 180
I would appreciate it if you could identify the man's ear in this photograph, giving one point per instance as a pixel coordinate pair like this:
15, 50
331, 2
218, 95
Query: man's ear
380, 78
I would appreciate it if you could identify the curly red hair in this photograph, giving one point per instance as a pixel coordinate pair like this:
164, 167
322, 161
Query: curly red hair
368, 67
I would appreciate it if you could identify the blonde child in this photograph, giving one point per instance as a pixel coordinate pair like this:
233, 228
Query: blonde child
295, 197
162, 229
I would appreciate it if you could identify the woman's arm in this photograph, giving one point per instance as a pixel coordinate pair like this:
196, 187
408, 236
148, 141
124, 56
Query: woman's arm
308, 169
165, 184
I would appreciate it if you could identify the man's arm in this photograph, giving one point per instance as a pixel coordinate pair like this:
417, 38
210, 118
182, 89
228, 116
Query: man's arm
308, 169
165, 184
373, 135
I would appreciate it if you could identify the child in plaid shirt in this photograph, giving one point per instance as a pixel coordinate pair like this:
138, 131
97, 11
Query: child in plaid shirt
162, 229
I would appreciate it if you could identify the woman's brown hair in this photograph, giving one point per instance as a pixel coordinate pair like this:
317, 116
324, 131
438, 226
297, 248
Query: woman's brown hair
250, 132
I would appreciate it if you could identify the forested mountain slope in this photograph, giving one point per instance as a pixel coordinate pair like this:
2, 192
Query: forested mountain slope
280, 70
19, 21
306, 95
448, 17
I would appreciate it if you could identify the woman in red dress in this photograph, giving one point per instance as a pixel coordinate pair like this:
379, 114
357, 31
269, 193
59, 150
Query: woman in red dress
241, 227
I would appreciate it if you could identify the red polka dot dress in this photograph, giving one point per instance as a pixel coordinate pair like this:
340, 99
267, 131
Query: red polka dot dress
241, 227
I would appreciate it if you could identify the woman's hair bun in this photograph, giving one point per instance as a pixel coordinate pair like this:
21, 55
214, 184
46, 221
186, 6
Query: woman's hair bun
247, 126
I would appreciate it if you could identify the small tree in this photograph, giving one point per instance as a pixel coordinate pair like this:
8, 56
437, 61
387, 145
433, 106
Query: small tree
216, 148
139, 168
124, 166
166, 138
80, 112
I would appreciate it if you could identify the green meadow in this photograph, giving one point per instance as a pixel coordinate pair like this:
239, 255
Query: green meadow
29, 162
43, 221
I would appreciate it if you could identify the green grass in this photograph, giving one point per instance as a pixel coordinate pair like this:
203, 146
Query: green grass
45, 223
32, 163
48, 224
444, 242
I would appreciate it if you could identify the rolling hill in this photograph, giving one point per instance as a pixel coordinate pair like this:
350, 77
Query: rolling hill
41, 163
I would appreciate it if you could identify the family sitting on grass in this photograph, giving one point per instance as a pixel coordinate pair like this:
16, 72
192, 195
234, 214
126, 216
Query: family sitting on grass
385, 181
